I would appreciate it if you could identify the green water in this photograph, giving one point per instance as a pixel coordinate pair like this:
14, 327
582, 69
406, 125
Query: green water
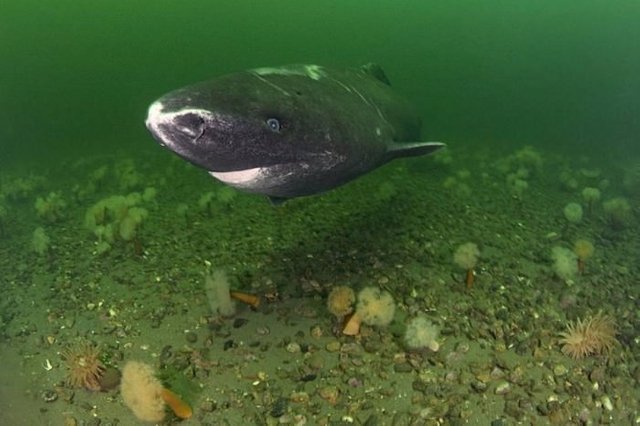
107, 240
76, 77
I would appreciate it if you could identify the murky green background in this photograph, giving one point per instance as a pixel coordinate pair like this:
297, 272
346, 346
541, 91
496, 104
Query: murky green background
76, 76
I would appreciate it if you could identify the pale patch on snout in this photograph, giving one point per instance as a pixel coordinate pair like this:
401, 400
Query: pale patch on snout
163, 124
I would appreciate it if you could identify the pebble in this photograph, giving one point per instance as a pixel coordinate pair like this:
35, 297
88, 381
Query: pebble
503, 388
49, 395
511, 408
597, 375
560, 370
208, 406
239, 322
263, 331
351, 348
279, 408
329, 394
402, 368
333, 346
316, 331
606, 403
316, 361
191, 337
299, 397
479, 386
293, 348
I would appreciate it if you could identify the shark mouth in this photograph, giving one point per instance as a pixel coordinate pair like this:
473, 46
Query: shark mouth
260, 179
241, 178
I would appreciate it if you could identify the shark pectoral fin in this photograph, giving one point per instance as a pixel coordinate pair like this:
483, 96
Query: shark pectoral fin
277, 201
412, 149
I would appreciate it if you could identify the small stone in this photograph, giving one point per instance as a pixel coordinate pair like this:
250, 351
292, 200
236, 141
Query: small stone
333, 346
49, 395
293, 348
316, 331
511, 408
553, 405
606, 403
316, 361
263, 331
597, 375
110, 379
239, 322
503, 388
308, 377
351, 348
208, 406
559, 370
329, 394
402, 368
191, 337
479, 386
299, 397
279, 407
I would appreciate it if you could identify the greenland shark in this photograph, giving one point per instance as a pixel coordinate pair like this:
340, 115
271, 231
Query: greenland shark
289, 131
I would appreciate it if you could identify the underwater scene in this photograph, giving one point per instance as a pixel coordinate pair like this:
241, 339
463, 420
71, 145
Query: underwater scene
320, 213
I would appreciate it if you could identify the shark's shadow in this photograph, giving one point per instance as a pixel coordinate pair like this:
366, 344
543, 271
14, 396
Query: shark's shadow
346, 238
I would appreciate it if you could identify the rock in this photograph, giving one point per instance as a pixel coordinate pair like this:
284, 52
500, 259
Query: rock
110, 379
559, 370
597, 375
503, 388
333, 346
329, 394
293, 348
402, 368
316, 361
239, 322
479, 386
70, 421
49, 395
191, 337
279, 407
208, 406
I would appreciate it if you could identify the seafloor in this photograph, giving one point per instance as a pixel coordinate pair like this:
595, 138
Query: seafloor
286, 362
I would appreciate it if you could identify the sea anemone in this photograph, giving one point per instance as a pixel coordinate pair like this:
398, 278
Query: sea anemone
595, 335
84, 368
573, 213
374, 307
565, 262
340, 301
591, 196
216, 286
466, 257
142, 391
618, 211
145, 395
584, 250
421, 333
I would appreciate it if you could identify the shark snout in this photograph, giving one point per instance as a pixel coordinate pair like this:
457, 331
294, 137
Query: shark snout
178, 127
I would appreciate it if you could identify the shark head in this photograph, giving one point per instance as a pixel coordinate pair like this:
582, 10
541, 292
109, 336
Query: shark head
239, 121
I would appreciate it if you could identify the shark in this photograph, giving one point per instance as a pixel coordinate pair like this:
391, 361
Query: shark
289, 131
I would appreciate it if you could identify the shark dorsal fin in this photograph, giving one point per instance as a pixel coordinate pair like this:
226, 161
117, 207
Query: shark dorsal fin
376, 71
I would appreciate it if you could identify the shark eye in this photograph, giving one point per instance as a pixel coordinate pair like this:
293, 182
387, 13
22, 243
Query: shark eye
273, 124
